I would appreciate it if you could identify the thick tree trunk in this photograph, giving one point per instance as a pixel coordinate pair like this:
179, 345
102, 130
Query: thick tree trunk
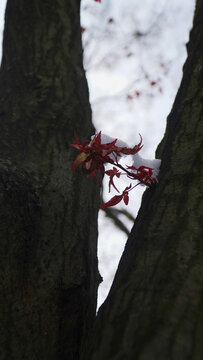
155, 307
48, 215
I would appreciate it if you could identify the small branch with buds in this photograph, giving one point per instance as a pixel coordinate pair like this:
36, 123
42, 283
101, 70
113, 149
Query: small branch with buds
94, 155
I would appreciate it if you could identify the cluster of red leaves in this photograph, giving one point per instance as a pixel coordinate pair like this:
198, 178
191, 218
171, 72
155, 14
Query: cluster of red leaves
92, 157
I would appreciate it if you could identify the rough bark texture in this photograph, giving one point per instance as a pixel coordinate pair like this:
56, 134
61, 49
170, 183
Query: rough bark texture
154, 309
48, 226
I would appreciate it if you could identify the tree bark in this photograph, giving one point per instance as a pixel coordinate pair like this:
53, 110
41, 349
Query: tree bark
154, 309
48, 226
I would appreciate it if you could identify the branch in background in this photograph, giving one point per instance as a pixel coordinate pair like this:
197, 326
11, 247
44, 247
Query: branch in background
113, 215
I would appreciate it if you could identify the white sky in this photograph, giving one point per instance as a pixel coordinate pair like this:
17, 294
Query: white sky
113, 75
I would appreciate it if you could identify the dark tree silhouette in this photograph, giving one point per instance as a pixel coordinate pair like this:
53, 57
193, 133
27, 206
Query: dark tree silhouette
48, 215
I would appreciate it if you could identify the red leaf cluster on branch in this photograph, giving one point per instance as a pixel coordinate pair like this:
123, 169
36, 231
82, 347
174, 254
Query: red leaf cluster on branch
94, 155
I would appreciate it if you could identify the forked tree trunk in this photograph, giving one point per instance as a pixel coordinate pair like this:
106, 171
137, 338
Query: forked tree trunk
48, 215
155, 307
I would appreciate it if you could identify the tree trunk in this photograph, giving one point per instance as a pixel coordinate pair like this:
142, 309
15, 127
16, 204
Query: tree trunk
154, 309
48, 226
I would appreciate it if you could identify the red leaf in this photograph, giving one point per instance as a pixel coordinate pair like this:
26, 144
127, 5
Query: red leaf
127, 188
145, 169
112, 202
111, 173
117, 198
76, 138
126, 198
96, 139
131, 151
80, 159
